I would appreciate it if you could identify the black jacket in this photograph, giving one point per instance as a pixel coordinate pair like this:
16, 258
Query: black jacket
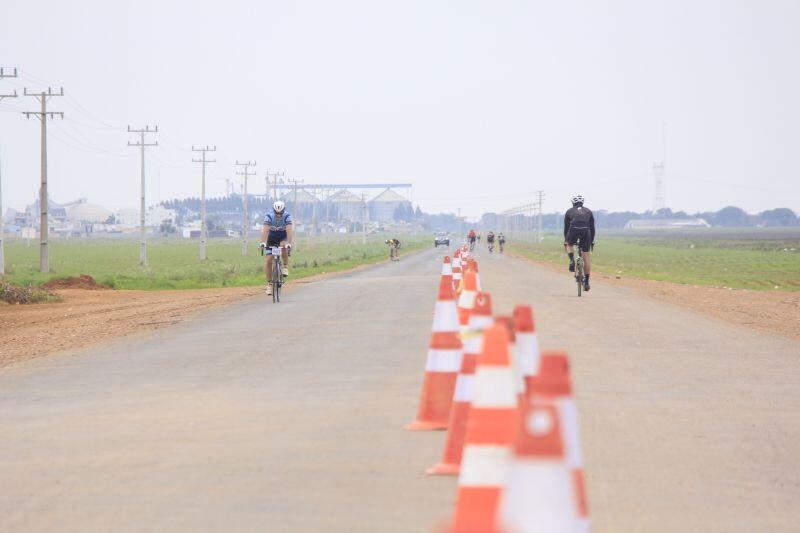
579, 217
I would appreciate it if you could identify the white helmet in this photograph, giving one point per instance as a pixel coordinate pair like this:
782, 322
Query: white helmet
577, 199
278, 206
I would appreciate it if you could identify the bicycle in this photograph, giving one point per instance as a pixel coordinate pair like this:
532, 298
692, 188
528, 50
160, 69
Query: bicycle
491, 247
502, 246
277, 270
579, 267
393, 253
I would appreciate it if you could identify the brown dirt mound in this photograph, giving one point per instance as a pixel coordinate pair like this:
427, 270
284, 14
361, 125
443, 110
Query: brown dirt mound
83, 281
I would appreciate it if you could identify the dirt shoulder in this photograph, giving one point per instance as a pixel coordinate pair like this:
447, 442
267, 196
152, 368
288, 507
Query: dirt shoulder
86, 317
776, 312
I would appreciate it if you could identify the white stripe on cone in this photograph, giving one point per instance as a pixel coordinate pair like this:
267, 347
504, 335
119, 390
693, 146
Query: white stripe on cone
443, 360
528, 349
544, 491
465, 388
494, 388
484, 465
445, 316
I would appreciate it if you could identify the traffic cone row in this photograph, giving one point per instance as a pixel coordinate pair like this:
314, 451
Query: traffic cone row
511, 421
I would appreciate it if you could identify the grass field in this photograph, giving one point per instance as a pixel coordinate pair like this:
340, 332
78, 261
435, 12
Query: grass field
728, 259
174, 264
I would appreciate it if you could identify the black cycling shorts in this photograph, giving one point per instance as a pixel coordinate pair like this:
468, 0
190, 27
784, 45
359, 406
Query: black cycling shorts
583, 234
275, 240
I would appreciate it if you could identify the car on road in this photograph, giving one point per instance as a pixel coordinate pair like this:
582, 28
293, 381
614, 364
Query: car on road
441, 238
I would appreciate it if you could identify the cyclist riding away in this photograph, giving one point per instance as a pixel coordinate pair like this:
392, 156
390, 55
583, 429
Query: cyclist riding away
277, 231
490, 240
471, 237
501, 239
579, 224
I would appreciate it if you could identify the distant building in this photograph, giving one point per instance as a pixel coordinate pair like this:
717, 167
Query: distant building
83, 213
127, 218
384, 206
157, 214
667, 223
346, 205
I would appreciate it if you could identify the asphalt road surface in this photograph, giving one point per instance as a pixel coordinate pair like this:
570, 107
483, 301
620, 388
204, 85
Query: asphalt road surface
265, 417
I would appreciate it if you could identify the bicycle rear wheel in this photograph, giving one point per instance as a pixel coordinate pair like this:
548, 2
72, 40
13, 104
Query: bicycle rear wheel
276, 281
579, 275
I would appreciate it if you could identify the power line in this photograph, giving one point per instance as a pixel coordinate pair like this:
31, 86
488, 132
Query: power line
44, 228
142, 145
203, 161
245, 220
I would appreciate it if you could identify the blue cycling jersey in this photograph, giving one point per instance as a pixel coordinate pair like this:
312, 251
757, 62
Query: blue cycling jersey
277, 224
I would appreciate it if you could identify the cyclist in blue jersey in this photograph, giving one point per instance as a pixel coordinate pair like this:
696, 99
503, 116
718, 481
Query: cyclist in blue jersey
277, 231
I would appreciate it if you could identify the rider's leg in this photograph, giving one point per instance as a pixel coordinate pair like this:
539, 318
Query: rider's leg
587, 261
571, 254
285, 258
268, 273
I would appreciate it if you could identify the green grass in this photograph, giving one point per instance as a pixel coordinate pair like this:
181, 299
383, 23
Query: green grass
740, 262
174, 263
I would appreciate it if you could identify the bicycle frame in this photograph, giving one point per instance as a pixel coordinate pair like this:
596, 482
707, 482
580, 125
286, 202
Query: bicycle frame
579, 267
277, 270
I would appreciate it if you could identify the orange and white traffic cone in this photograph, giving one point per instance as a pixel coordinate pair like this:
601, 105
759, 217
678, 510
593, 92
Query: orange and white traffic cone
527, 343
466, 300
457, 271
537, 495
473, 265
479, 319
513, 349
443, 364
491, 428
447, 267
553, 383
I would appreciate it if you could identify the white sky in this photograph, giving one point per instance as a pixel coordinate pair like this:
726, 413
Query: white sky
477, 103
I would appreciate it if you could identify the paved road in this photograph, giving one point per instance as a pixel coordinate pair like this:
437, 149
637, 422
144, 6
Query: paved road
287, 418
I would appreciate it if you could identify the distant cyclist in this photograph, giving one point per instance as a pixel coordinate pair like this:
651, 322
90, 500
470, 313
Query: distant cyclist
471, 238
579, 224
490, 240
394, 249
277, 231
501, 240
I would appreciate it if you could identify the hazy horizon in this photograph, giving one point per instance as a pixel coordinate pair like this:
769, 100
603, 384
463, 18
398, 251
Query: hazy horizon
477, 104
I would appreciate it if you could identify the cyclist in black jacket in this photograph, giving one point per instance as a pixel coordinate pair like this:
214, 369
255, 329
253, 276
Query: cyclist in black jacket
579, 224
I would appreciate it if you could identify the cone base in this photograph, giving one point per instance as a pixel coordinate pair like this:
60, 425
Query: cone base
444, 469
419, 425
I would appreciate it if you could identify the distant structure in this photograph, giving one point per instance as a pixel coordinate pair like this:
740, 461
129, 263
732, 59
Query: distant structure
346, 205
667, 223
658, 189
85, 213
384, 206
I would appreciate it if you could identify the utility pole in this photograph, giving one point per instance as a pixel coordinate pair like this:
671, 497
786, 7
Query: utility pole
539, 201
203, 230
245, 219
295, 213
274, 176
363, 220
658, 190
142, 208
44, 228
2, 225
